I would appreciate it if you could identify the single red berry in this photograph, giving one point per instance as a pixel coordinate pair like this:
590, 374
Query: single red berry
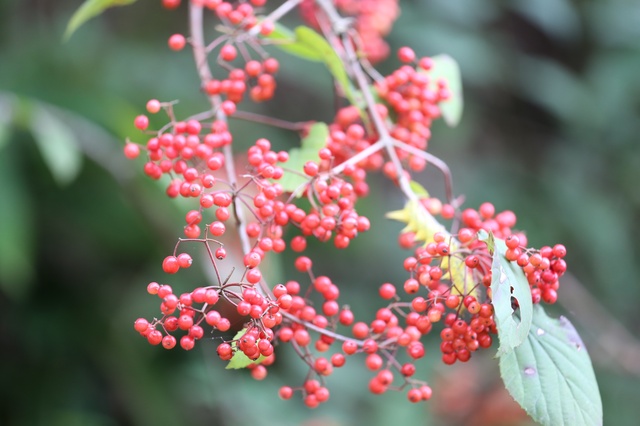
406, 54
141, 122
177, 42
131, 150
170, 265
228, 52
387, 291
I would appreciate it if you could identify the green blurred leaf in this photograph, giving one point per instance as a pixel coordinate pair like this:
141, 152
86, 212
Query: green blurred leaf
550, 375
418, 189
6, 117
239, 359
508, 280
56, 142
285, 39
308, 151
306, 43
90, 9
330, 58
445, 67
16, 232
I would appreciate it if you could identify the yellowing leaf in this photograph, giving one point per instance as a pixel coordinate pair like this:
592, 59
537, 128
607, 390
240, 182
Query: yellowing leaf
425, 226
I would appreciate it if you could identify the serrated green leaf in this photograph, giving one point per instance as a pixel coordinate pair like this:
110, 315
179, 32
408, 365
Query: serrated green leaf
239, 359
56, 142
445, 67
508, 280
550, 375
308, 151
88, 10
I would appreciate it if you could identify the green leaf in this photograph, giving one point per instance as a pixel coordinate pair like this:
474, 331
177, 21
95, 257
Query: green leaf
418, 189
306, 43
285, 39
6, 118
550, 375
56, 142
88, 10
294, 180
330, 58
508, 280
239, 359
445, 67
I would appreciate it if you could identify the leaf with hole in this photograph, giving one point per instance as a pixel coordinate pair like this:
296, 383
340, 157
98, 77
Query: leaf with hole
550, 375
508, 281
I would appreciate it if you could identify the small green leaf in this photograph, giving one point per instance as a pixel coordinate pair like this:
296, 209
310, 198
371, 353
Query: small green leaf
306, 43
56, 142
330, 58
418, 189
508, 280
88, 10
294, 180
239, 359
550, 375
445, 67
285, 39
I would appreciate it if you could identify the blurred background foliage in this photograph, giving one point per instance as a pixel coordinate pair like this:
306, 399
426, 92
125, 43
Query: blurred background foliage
550, 130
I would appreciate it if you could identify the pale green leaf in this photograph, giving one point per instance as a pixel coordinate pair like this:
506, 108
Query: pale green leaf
508, 280
294, 180
239, 359
330, 58
90, 9
445, 67
306, 43
418, 189
550, 375
285, 39
56, 142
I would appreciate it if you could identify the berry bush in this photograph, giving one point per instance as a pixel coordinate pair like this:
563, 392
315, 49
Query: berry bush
471, 276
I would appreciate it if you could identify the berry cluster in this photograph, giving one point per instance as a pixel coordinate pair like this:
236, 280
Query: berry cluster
449, 271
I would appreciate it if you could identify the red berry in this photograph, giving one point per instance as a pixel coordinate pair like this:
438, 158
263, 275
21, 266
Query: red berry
170, 265
141, 122
131, 151
387, 291
406, 54
177, 42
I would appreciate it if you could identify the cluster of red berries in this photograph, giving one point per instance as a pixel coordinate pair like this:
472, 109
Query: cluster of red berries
450, 275
373, 21
413, 98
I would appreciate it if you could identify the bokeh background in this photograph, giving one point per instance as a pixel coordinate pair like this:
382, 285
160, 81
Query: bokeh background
551, 130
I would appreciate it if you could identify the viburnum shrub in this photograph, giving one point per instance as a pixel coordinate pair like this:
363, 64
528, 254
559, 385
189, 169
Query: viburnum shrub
471, 277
